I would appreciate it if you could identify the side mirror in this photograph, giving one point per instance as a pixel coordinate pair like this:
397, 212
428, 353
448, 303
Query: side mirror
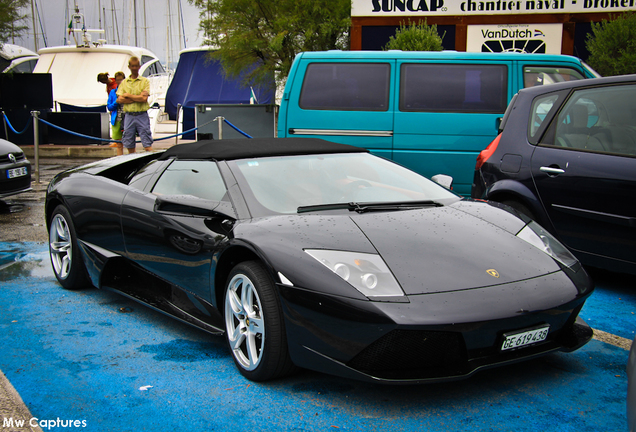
443, 180
498, 121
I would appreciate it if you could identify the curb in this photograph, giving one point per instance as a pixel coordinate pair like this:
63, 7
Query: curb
13, 408
70, 152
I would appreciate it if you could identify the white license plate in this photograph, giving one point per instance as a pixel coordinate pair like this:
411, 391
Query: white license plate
523, 338
17, 172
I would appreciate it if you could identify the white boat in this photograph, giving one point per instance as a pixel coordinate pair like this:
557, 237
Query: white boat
74, 70
14, 58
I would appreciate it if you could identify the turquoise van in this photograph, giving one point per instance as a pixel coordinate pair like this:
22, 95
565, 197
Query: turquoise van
432, 112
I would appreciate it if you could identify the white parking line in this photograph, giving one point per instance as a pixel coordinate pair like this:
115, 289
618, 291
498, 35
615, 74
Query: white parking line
612, 339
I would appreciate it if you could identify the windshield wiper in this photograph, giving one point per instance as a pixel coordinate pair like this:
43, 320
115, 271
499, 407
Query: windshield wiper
323, 207
406, 205
367, 207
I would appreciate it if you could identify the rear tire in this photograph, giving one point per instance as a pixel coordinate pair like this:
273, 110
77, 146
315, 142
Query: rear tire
255, 329
66, 259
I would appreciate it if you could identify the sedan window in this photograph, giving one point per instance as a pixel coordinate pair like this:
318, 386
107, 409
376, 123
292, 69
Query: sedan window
200, 179
540, 109
599, 120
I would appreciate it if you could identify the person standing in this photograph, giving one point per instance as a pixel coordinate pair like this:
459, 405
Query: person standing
133, 94
111, 83
116, 115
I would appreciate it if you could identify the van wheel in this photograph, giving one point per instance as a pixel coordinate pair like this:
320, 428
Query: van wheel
519, 207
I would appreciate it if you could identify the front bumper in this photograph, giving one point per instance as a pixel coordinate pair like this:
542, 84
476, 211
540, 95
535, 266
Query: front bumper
428, 339
15, 185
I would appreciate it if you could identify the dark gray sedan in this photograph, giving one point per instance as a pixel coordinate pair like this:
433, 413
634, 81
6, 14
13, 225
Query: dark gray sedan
566, 156
15, 170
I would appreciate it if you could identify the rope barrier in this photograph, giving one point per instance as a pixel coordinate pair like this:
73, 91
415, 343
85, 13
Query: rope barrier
176, 135
11, 126
111, 140
77, 134
236, 129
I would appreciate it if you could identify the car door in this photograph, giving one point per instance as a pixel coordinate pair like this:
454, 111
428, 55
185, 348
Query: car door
584, 170
171, 228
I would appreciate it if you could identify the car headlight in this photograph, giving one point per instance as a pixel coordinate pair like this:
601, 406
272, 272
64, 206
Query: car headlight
368, 273
540, 238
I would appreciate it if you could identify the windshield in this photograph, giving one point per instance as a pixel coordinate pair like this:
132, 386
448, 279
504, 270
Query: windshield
277, 185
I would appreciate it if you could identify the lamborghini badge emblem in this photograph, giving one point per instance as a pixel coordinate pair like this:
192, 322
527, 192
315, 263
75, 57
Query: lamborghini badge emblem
493, 272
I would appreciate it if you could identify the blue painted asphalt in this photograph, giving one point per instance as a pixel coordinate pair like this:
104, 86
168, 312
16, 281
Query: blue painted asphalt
89, 355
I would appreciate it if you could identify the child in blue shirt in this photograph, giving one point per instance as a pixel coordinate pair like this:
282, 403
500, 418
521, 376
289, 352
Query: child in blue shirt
116, 114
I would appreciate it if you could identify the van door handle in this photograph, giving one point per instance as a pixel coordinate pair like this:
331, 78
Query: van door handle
551, 170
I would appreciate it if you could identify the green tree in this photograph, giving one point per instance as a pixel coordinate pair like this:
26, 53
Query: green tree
416, 37
269, 33
612, 45
11, 20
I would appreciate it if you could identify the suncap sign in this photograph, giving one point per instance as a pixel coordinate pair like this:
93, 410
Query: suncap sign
367, 8
525, 38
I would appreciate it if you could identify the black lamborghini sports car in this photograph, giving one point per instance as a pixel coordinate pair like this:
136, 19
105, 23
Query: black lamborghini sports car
308, 253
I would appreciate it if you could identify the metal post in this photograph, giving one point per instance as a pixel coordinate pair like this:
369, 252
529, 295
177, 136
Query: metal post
220, 120
6, 132
36, 144
176, 139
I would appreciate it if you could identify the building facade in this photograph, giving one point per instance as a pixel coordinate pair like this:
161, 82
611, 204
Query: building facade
533, 26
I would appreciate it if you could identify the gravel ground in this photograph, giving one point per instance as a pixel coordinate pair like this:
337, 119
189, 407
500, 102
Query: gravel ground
22, 215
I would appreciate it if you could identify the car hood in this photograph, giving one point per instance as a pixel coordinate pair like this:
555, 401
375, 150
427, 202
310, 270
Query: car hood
7, 147
430, 250
450, 248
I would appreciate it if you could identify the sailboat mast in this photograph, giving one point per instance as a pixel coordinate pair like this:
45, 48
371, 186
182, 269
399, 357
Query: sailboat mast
65, 20
35, 29
179, 18
115, 25
135, 17
168, 35
105, 25
145, 28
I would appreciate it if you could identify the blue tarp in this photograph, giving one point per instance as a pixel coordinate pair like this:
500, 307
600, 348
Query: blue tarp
201, 80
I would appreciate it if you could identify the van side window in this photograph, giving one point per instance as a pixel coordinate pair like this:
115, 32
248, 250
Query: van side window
346, 87
453, 88
542, 75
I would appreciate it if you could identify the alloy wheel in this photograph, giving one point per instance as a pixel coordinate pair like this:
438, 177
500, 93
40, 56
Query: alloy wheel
244, 322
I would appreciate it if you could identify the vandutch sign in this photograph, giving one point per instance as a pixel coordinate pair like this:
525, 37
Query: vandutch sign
522, 38
368, 8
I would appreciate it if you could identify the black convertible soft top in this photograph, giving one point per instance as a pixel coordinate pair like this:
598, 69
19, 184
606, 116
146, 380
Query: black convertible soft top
257, 147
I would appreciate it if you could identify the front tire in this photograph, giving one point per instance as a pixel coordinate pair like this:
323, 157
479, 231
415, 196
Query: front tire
66, 260
254, 325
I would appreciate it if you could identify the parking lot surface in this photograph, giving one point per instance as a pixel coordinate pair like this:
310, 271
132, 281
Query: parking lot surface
98, 357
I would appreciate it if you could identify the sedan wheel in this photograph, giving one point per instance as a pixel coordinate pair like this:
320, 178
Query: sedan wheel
67, 264
254, 323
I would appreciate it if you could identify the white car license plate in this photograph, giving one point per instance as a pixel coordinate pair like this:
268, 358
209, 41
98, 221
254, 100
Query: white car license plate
17, 172
523, 338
